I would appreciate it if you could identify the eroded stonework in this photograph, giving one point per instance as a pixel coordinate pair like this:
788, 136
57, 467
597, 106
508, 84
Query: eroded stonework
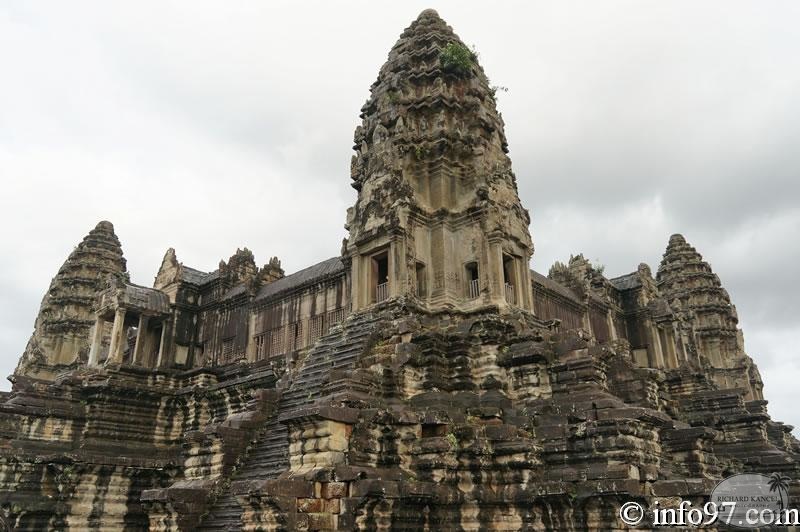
426, 379
61, 334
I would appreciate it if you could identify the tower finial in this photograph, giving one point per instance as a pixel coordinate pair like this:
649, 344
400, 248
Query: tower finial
677, 238
428, 13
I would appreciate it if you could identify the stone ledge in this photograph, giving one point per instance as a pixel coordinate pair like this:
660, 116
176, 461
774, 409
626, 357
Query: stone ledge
682, 488
341, 414
274, 488
189, 492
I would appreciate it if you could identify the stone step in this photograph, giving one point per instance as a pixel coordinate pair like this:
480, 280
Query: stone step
225, 515
268, 456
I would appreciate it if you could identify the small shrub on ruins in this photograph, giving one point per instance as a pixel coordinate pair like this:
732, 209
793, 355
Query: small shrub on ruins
494, 89
457, 59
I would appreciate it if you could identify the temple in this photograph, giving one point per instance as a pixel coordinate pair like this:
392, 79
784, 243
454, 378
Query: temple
424, 379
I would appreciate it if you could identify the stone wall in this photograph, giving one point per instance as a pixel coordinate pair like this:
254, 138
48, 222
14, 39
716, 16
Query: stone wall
107, 436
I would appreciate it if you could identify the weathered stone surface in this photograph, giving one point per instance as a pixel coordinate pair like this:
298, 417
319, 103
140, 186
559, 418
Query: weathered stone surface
437, 195
62, 333
424, 380
709, 320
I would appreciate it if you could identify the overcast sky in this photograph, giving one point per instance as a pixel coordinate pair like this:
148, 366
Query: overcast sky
211, 126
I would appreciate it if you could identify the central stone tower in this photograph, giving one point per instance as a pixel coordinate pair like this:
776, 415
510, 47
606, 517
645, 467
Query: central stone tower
438, 219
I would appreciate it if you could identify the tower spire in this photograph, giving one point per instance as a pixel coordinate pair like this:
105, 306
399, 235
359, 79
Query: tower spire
438, 217
695, 291
61, 334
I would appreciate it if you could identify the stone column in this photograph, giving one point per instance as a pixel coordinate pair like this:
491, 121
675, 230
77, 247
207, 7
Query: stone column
586, 319
357, 282
525, 284
519, 297
141, 341
438, 270
451, 268
396, 266
612, 328
117, 347
162, 344
250, 346
97, 341
404, 270
670, 351
658, 355
495, 262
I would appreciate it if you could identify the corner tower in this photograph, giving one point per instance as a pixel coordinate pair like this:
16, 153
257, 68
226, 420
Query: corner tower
695, 292
61, 335
438, 218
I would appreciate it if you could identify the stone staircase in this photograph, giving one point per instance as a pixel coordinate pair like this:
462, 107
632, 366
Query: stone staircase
209, 457
322, 375
742, 441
